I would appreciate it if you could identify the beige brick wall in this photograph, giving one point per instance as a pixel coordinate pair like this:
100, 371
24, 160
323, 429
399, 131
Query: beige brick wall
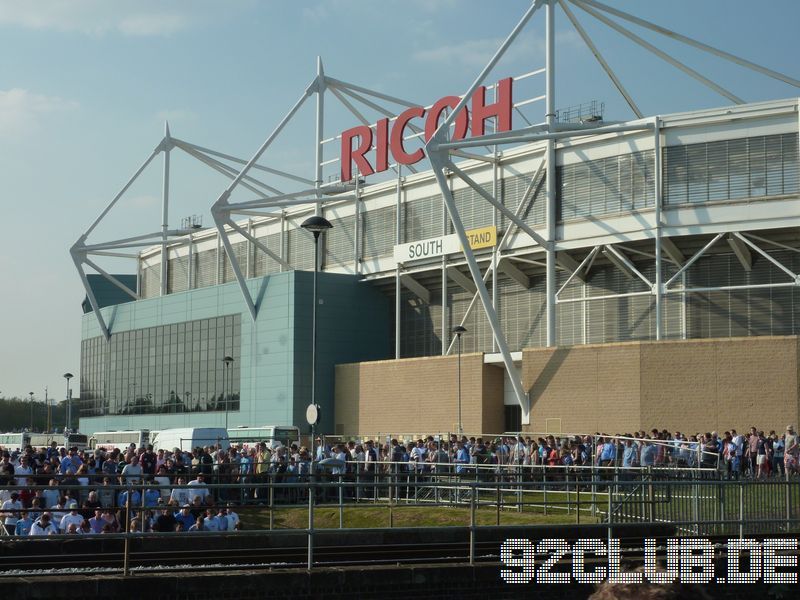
587, 388
418, 395
707, 385
347, 389
693, 385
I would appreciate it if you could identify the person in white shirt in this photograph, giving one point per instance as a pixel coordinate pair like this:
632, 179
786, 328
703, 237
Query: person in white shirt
163, 481
132, 473
10, 511
418, 454
180, 495
43, 526
71, 518
198, 489
22, 471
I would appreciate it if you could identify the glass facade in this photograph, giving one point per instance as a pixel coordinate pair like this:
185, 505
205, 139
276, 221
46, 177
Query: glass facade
165, 369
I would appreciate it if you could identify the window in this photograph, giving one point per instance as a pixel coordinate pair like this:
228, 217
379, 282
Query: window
162, 369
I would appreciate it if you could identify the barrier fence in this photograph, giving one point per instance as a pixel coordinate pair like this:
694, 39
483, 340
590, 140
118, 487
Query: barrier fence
611, 497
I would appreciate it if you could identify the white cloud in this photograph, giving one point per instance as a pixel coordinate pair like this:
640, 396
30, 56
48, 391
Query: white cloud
97, 17
22, 111
474, 54
316, 13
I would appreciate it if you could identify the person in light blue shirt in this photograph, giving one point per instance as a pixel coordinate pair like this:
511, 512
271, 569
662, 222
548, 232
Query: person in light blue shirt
649, 451
24, 524
462, 458
151, 497
609, 452
630, 456
185, 517
136, 498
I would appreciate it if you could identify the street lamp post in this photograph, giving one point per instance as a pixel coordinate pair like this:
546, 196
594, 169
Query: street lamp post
31, 403
315, 225
68, 396
228, 360
458, 330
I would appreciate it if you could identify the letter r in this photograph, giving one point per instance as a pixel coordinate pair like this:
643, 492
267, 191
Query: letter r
349, 155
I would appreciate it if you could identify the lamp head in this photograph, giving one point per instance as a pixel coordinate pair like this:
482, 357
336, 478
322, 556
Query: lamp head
316, 225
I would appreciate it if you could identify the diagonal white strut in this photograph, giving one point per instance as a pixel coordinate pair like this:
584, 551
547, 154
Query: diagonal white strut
438, 162
694, 43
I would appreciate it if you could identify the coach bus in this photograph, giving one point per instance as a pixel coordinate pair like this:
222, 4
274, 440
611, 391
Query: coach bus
109, 440
15, 441
66, 440
249, 436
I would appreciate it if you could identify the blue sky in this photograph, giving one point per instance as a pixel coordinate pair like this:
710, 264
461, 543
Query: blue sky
86, 85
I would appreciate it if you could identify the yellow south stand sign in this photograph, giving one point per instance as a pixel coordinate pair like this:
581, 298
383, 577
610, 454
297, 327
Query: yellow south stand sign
485, 237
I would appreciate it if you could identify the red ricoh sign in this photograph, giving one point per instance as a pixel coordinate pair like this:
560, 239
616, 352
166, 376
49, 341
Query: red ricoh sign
386, 138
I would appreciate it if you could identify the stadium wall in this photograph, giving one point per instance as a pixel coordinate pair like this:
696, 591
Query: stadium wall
686, 385
418, 396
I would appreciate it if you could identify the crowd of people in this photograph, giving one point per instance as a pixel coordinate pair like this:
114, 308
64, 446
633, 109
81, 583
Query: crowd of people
56, 490
752, 454
66, 491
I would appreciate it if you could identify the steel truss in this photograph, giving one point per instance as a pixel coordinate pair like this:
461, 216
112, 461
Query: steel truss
439, 149
272, 202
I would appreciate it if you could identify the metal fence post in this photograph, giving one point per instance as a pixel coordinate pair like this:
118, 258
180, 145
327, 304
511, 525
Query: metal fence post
499, 500
610, 514
472, 525
126, 549
311, 493
741, 510
341, 503
391, 512
788, 489
568, 496
271, 500
544, 488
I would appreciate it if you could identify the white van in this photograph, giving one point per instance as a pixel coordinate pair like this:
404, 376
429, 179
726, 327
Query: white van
189, 438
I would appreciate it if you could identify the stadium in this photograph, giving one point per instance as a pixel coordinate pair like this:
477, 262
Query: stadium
607, 275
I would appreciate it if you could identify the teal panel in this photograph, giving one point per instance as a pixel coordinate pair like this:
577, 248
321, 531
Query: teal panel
275, 353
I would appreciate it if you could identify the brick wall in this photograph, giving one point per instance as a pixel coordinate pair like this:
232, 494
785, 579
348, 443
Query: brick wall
419, 395
589, 388
688, 385
707, 385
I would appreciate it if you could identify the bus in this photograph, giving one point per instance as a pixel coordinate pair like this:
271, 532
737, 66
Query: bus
249, 436
15, 441
65, 440
109, 440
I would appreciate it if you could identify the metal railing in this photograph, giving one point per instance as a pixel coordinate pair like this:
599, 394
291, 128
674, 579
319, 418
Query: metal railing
692, 506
